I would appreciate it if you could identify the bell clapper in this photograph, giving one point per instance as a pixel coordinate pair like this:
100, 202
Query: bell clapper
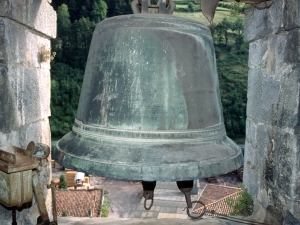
185, 187
148, 187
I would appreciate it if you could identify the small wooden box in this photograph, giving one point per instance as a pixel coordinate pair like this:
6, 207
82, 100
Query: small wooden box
16, 176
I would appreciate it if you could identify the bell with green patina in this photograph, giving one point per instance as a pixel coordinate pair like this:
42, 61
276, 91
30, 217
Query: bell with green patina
150, 105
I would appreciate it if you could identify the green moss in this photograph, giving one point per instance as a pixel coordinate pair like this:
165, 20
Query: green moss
105, 208
243, 205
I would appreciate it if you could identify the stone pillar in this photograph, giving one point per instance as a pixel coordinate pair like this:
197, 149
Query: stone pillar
25, 30
272, 156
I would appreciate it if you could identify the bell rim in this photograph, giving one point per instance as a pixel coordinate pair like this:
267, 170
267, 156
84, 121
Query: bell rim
150, 172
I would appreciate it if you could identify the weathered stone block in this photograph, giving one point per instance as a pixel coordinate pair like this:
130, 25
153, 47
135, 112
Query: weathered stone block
260, 148
250, 131
296, 170
274, 216
11, 138
295, 207
258, 54
278, 95
274, 159
275, 53
261, 89
280, 159
8, 112
21, 46
291, 53
287, 108
37, 14
255, 151
251, 180
31, 91
292, 14
25, 81
260, 23
38, 131
249, 155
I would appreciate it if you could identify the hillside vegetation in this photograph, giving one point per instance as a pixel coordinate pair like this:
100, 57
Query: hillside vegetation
76, 20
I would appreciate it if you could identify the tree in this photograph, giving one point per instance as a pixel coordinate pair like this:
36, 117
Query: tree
62, 182
65, 90
191, 7
63, 19
99, 11
238, 28
76, 21
74, 10
82, 31
63, 32
118, 7
225, 26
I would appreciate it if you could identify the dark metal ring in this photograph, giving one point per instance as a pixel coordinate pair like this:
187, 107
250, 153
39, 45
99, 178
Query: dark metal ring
196, 217
145, 205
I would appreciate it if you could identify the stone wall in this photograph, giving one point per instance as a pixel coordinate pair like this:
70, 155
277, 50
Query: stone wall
272, 157
25, 31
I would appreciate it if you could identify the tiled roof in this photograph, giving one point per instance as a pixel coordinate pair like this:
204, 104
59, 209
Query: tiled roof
78, 203
214, 197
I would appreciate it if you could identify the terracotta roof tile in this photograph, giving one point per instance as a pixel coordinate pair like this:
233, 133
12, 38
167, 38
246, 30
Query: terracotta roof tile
78, 203
214, 197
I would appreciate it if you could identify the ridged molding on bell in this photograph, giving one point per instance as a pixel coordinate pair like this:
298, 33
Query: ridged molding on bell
150, 106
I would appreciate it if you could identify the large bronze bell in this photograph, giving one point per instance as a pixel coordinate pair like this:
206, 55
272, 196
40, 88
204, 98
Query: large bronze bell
150, 105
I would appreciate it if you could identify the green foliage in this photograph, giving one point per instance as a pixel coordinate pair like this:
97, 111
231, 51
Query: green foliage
82, 32
118, 7
232, 59
105, 208
99, 11
62, 182
237, 8
76, 21
191, 7
188, 6
65, 90
73, 38
243, 205
64, 213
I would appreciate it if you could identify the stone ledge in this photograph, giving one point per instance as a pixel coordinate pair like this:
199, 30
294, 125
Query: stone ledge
38, 131
37, 14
